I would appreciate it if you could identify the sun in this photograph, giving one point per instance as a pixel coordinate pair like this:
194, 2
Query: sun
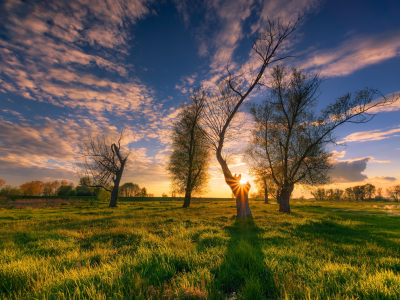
242, 181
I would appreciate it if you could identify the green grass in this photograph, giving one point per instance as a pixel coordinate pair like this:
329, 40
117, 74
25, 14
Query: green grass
158, 250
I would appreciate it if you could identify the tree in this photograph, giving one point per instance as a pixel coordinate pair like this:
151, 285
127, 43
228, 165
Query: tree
130, 189
394, 192
263, 181
32, 188
222, 110
319, 194
359, 192
292, 139
103, 162
8, 191
189, 161
349, 194
143, 192
378, 193
56, 186
2, 183
369, 190
66, 190
48, 189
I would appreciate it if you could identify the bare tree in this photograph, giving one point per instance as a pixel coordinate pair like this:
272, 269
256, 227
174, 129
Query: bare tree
291, 139
103, 162
189, 161
221, 111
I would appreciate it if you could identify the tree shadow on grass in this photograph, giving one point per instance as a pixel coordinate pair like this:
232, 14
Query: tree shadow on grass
243, 271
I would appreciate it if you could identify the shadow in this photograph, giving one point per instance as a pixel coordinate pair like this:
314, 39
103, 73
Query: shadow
243, 270
343, 235
379, 228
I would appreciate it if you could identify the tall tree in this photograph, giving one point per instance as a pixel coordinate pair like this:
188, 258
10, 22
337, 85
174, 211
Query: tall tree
394, 192
103, 161
189, 161
222, 110
292, 139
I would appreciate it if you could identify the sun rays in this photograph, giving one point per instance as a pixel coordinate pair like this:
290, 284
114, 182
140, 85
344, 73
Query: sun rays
238, 185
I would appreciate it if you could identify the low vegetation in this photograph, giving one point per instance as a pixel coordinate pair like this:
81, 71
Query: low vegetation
158, 250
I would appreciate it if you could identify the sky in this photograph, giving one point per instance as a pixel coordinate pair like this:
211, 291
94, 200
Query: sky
73, 68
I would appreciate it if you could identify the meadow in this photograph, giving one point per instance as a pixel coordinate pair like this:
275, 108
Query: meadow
158, 250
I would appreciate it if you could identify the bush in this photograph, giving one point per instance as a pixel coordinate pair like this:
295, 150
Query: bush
104, 195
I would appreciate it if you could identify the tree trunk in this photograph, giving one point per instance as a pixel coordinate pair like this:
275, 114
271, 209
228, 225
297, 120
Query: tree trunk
114, 193
284, 197
266, 195
241, 191
188, 196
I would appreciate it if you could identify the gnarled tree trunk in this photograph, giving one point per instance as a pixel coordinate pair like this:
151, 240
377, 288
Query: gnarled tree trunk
284, 197
241, 191
114, 193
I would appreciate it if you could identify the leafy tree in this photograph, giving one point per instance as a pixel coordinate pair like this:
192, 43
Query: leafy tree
32, 188
48, 189
103, 161
143, 192
189, 161
394, 192
130, 189
369, 190
65, 190
2, 183
349, 194
359, 192
8, 191
83, 188
104, 195
319, 194
292, 139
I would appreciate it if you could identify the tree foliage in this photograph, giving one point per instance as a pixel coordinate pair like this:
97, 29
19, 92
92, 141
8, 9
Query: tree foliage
289, 139
394, 192
189, 161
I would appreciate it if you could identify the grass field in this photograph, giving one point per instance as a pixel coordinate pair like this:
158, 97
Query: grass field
157, 250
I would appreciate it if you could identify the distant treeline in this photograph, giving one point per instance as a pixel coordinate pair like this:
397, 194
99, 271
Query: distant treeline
64, 188
357, 193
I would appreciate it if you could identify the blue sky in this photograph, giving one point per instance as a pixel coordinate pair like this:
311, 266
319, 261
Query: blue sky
73, 68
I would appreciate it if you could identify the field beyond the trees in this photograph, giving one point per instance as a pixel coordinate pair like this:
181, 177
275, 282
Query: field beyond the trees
158, 250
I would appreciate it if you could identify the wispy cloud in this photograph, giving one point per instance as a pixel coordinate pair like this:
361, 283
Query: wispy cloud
354, 53
43, 57
186, 83
372, 135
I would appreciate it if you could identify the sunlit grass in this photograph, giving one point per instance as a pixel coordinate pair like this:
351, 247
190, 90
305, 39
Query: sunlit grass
158, 250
